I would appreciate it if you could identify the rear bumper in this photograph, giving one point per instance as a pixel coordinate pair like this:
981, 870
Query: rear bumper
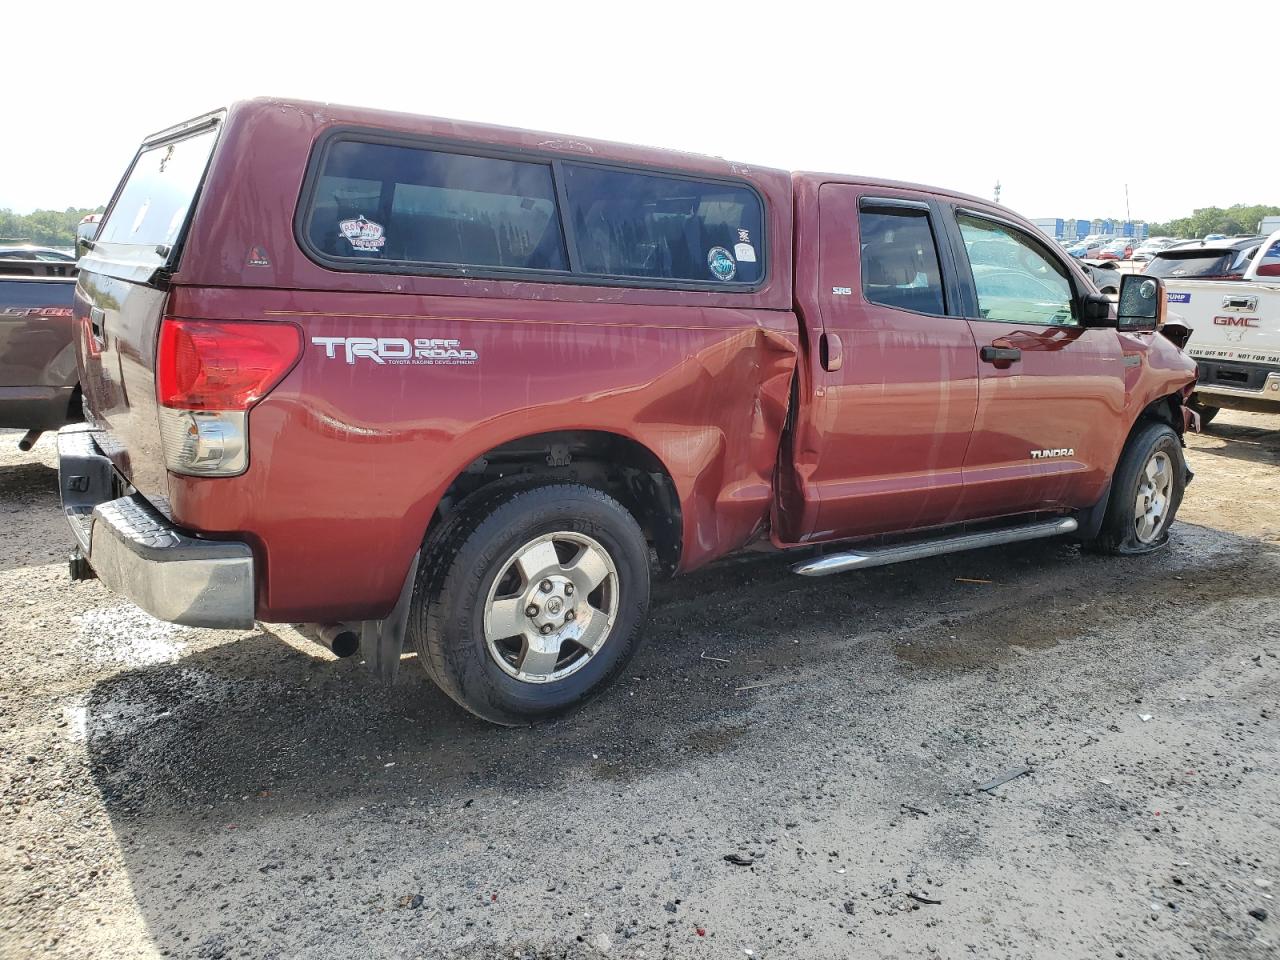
138, 553
1243, 385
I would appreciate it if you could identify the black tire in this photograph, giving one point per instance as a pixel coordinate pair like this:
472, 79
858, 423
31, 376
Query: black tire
477, 545
1120, 527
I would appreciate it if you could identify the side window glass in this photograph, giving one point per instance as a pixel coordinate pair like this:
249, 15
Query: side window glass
1016, 283
900, 260
382, 201
666, 228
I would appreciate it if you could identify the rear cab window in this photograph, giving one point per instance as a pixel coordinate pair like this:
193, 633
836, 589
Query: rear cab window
899, 255
142, 230
406, 208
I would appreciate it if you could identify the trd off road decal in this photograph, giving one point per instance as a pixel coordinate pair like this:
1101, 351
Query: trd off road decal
398, 350
363, 234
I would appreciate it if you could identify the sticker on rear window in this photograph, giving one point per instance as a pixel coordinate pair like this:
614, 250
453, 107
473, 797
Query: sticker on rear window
1178, 297
721, 264
363, 234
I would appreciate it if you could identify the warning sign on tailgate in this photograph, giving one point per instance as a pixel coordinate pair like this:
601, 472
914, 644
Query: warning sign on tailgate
1241, 356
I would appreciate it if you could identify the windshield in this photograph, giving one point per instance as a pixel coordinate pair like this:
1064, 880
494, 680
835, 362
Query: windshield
148, 216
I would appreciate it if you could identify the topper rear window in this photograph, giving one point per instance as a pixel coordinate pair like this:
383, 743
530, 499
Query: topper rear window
398, 207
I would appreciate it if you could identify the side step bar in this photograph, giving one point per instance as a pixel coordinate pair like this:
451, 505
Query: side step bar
851, 560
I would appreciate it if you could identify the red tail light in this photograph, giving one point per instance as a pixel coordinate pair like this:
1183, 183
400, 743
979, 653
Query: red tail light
220, 365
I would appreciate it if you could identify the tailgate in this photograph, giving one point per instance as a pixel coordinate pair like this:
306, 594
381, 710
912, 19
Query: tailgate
1230, 320
121, 296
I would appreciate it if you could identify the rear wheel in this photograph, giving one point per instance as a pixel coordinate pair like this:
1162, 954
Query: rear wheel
534, 602
1146, 492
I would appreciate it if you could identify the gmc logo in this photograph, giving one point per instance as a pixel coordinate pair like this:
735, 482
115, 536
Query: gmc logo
1236, 321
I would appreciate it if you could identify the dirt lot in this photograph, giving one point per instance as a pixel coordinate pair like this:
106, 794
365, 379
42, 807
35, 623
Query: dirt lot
185, 793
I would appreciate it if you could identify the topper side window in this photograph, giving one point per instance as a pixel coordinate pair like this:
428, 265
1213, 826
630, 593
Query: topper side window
400, 204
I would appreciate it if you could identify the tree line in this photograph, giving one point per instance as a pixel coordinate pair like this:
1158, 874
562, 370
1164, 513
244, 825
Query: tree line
45, 228
1241, 218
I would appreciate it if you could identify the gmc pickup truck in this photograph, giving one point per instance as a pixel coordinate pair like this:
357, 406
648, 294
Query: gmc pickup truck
38, 379
1228, 293
459, 390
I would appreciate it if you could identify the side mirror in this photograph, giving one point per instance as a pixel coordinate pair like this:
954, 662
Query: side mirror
1142, 303
86, 233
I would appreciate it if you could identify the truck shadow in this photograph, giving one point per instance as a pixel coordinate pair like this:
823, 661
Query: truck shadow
259, 732
1240, 442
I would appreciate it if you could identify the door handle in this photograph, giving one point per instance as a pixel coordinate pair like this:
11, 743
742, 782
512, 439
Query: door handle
96, 318
1000, 354
831, 351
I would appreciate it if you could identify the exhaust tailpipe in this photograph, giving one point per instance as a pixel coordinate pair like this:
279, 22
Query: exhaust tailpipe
29, 440
340, 639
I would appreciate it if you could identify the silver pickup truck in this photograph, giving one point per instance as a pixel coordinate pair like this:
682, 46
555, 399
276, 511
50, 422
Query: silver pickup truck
39, 383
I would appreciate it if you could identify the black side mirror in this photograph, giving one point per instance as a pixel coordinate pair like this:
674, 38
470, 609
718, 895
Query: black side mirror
1141, 304
1097, 310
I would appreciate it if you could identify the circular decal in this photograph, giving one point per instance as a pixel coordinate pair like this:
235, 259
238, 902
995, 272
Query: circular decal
721, 264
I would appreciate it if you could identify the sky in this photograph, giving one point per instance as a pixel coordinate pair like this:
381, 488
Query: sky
1063, 104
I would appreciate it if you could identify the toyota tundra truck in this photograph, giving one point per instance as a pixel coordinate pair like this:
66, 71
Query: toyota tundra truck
460, 391
1228, 293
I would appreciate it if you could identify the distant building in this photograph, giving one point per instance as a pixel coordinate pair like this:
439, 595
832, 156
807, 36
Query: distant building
1061, 229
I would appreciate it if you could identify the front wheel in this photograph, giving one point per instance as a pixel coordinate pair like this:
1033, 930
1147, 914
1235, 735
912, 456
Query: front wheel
534, 601
1146, 492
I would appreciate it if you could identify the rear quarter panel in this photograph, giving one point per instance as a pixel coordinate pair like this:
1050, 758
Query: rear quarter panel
348, 461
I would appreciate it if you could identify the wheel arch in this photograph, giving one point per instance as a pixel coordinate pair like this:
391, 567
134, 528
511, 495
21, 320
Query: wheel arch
619, 465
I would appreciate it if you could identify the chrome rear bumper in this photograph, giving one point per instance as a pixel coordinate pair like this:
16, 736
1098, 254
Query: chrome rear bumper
137, 553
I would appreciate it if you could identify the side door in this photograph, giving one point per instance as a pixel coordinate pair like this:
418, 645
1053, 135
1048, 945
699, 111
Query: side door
889, 395
1051, 393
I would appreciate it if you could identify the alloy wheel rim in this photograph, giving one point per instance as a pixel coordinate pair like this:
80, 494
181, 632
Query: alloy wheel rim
1151, 506
552, 607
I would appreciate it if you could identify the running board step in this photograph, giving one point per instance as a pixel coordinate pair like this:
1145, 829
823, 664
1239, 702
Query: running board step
840, 562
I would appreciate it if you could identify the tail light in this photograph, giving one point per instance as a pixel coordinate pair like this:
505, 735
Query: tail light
208, 376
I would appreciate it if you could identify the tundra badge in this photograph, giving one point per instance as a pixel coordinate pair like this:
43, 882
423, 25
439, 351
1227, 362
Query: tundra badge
1046, 454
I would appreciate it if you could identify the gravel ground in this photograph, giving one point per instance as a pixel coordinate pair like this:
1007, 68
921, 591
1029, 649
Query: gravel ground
186, 793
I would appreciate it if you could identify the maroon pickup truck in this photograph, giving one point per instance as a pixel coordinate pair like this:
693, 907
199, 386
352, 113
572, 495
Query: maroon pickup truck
458, 390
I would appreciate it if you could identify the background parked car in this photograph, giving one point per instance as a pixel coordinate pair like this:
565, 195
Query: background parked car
1151, 246
1225, 259
1104, 274
39, 383
1088, 247
1118, 249
29, 252
29, 261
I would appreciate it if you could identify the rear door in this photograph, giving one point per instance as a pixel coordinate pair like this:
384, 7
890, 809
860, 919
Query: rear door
1051, 393
121, 295
892, 387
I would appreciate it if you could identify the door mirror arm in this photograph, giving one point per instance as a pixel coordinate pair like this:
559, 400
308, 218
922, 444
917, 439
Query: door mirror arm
1097, 311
